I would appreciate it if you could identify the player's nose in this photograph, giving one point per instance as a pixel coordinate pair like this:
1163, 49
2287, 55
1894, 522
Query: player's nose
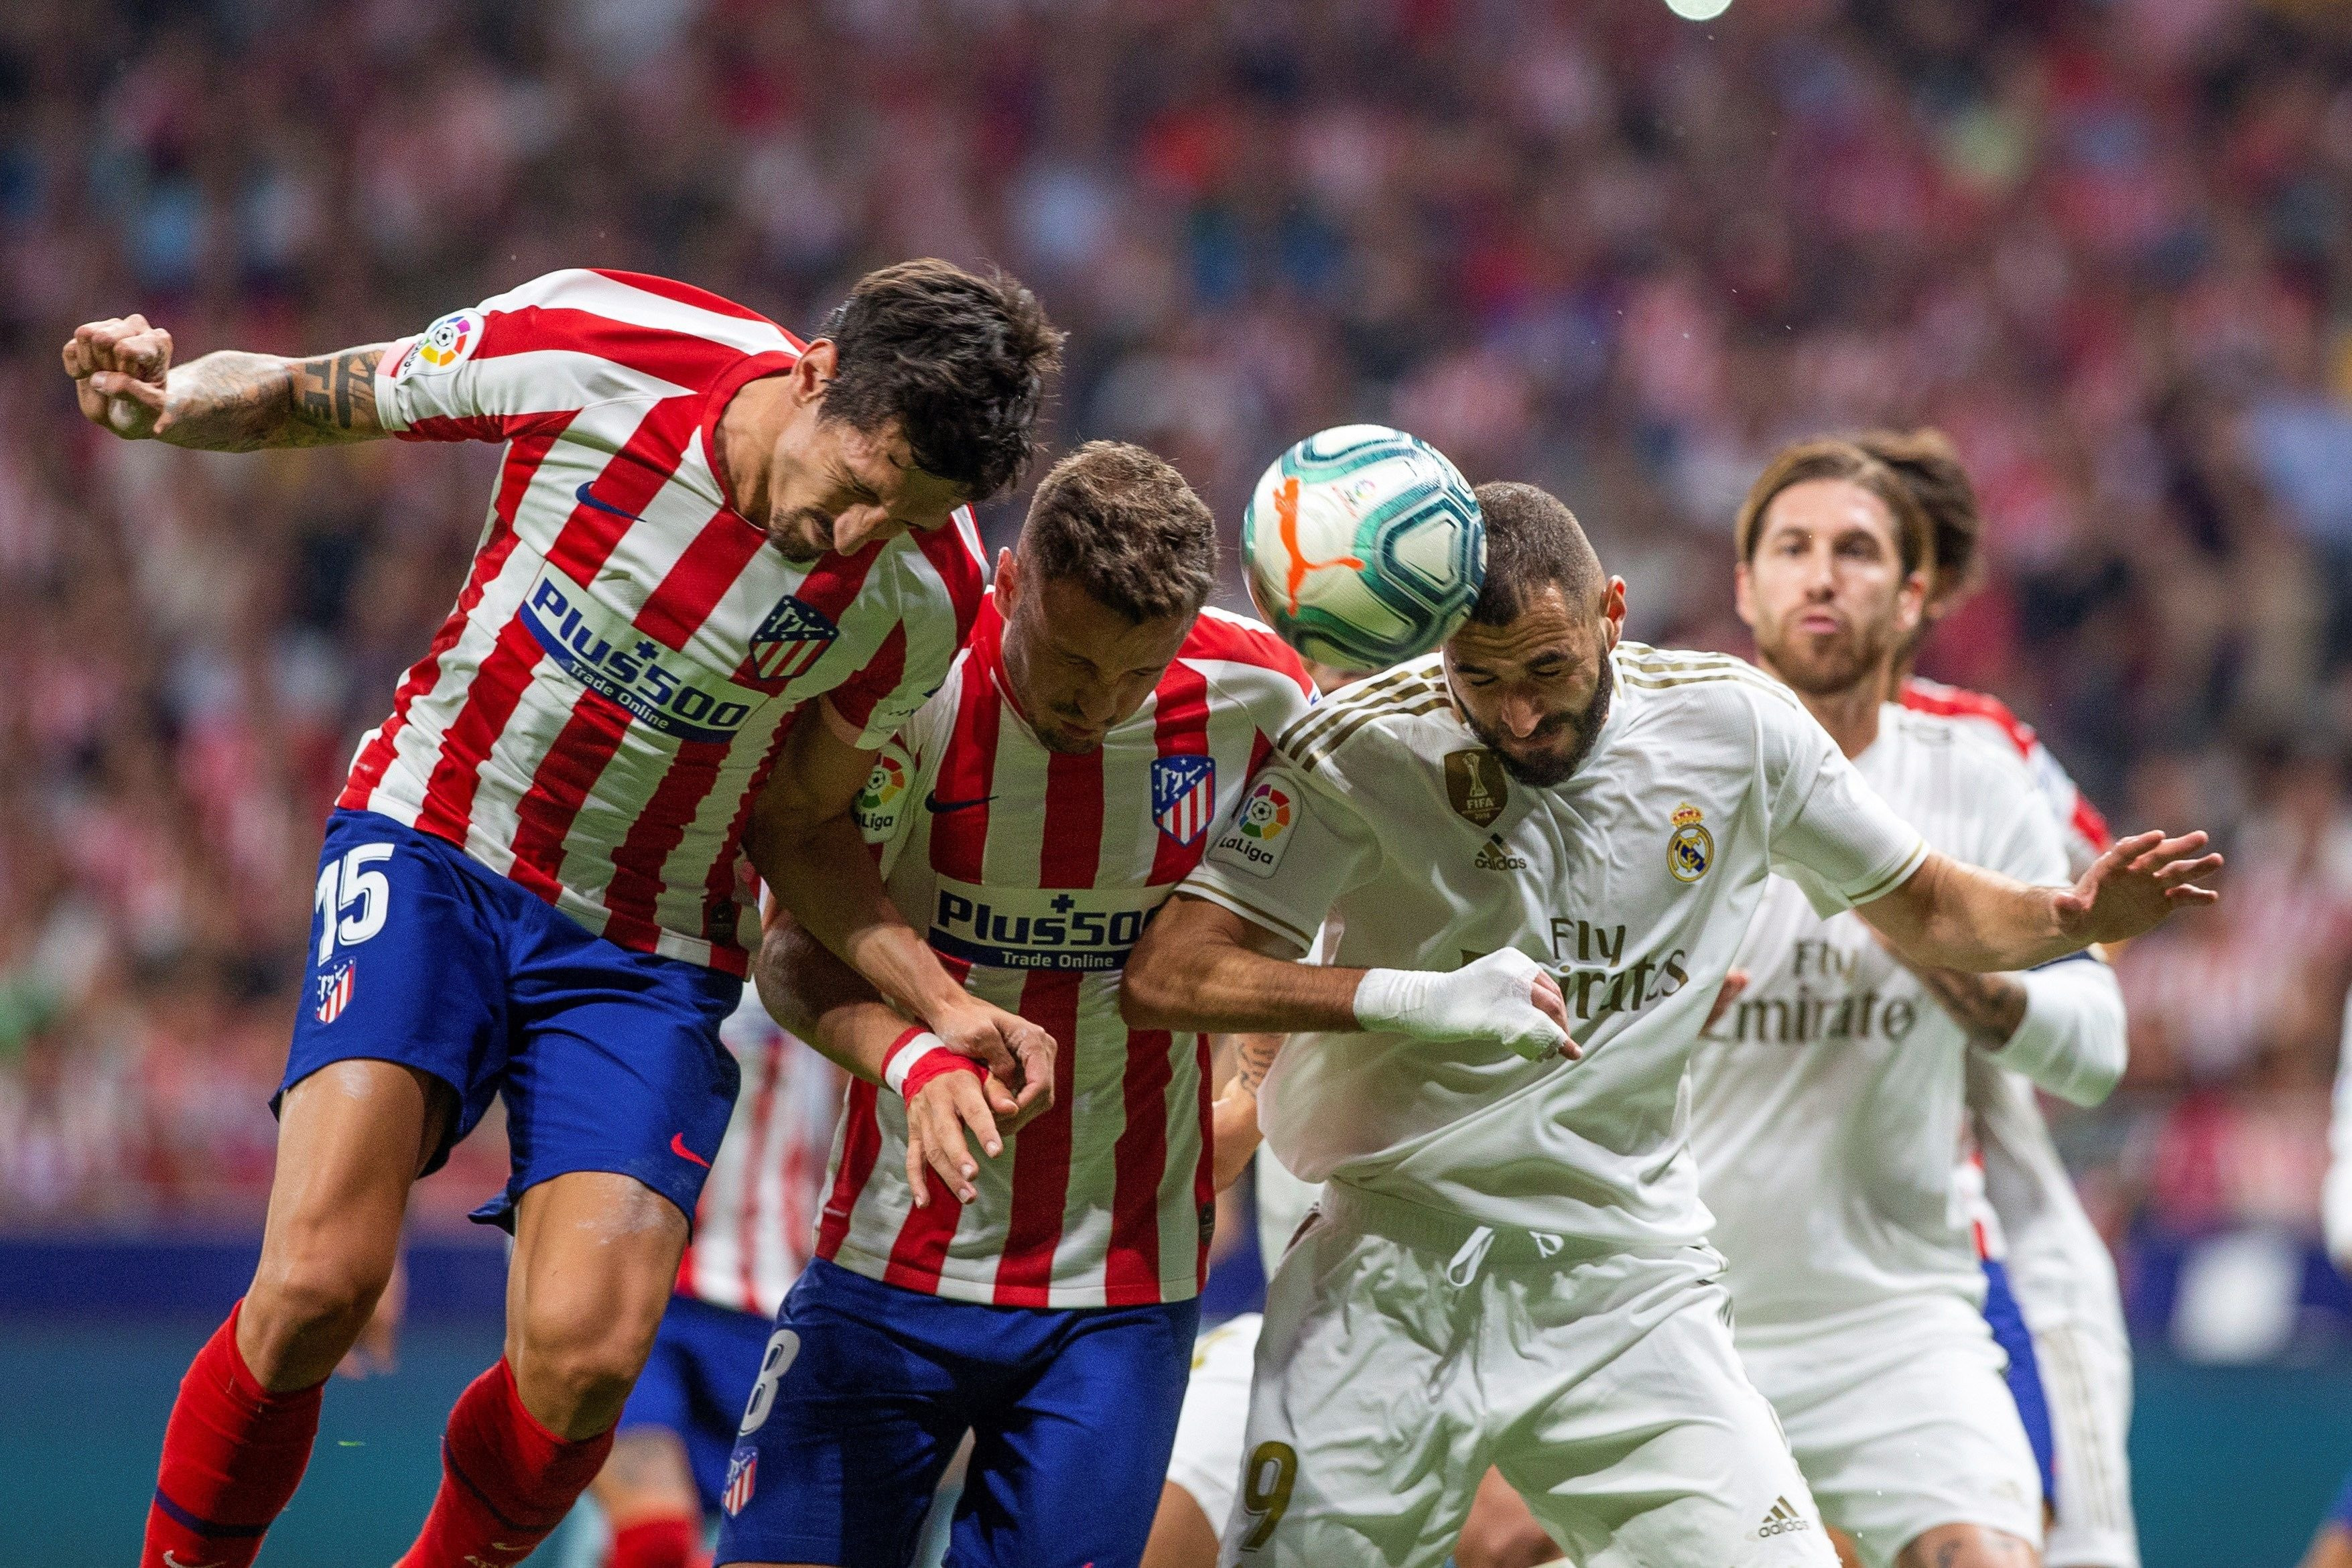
859, 526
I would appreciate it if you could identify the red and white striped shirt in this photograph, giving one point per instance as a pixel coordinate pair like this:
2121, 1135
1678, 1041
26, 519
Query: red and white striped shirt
757, 1219
1036, 871
2083, 830
602, 707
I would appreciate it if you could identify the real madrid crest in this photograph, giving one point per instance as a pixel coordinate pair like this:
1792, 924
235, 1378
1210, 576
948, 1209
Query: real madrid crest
1690, 849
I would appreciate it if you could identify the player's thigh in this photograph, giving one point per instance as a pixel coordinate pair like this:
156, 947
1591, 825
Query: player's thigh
1206, 1462
1502, 1532
1910, 1438
1664, 1452
853, 1418
1363, 1445
1069, 1468
615, 1065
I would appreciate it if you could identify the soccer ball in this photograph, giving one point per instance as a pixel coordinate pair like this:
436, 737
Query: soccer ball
1363, 547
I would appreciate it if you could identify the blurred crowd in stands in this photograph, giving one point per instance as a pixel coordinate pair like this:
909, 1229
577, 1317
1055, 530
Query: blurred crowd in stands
2107, 247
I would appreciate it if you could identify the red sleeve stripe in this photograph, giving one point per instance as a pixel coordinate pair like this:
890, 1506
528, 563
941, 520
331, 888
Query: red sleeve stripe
857, 698
1237, 641
687, 294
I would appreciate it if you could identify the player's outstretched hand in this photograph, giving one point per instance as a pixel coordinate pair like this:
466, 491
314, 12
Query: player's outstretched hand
1506, 997
2135, 885
1735, 981
118, 367
1019, 1057
937, 1118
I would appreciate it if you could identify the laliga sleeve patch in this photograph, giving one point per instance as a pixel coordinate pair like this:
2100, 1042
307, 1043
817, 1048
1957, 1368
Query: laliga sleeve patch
876, 807
443, 347
1262, 829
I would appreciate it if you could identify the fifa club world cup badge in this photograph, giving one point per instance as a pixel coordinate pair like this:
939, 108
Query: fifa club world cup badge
1475, 784
334, 990
1690, 849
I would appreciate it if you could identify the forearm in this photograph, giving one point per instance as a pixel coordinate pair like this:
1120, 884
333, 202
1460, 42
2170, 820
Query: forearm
825, 877
237, 402
1953, 916
2072, 1037
823, 1000
1227, 988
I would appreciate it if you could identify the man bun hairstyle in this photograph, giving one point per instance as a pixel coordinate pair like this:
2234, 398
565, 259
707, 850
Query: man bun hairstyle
1533, 541
1925, 460
960, 361
1123, 525
1836, 459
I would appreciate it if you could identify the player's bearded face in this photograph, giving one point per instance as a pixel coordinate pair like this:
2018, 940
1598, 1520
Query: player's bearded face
1825, 590
1535, 691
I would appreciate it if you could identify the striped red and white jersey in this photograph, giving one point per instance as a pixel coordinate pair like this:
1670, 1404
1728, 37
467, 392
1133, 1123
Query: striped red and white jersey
1036, 872
757, 1218
610, 692
2083, 831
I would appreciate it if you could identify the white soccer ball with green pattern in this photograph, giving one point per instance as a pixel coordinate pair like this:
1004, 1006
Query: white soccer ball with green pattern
1363, 547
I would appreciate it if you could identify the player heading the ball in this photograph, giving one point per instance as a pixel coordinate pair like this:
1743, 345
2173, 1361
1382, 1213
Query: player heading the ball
720, 567
1541, 843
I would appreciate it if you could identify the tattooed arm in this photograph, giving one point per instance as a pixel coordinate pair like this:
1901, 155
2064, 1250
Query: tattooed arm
1234, 1117
224, 402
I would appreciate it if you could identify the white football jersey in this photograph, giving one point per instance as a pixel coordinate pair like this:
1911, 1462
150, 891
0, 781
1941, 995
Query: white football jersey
1828, 1104
2058, 1265
1633, 881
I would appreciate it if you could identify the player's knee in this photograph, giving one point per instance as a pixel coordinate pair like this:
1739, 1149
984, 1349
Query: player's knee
578, 1360
311, 1294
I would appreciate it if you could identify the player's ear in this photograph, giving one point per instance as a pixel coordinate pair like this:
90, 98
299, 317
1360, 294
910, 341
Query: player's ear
1743, 595
813, 369
1612, 611
1008, 582
1911, 603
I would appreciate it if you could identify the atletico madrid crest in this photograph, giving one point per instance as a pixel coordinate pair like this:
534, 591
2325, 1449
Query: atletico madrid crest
1184, 796
742, 1476
787, 643
334, 990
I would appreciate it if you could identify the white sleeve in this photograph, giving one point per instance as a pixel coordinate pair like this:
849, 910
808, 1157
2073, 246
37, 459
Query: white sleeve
2336, 1205
2072, 1042
1291, 848
1831, 834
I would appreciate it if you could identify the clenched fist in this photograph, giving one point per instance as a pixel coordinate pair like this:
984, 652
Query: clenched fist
119, 367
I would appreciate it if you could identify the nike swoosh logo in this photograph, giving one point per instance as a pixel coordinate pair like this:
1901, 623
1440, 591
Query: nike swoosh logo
934, 805
587, 497
677, 1147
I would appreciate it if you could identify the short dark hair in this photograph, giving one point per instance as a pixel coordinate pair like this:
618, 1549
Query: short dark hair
960, 361
1928, 464
1123, 525
1832, 459
1533, 541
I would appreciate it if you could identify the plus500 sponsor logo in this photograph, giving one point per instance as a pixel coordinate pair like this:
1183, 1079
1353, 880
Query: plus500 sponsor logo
1041, 927
607, 654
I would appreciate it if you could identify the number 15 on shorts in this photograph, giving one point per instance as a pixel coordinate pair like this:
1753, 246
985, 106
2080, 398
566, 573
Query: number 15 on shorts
353, 901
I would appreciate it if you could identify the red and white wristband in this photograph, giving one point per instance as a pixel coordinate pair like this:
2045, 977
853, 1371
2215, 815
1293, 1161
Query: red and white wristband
918, 1057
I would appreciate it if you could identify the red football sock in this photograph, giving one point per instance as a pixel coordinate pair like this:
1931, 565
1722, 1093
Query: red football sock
656, 1543
233, 1454
506, 1481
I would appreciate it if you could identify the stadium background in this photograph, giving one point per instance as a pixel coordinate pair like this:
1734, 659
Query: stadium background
2107, 247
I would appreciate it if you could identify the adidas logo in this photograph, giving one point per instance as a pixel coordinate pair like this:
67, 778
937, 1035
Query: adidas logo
1783, 1520
1496, 856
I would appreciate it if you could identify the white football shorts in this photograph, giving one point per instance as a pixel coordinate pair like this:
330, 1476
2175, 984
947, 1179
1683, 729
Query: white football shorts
1207, 1460
1405, 1350
1897, 1437
2086, 1380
